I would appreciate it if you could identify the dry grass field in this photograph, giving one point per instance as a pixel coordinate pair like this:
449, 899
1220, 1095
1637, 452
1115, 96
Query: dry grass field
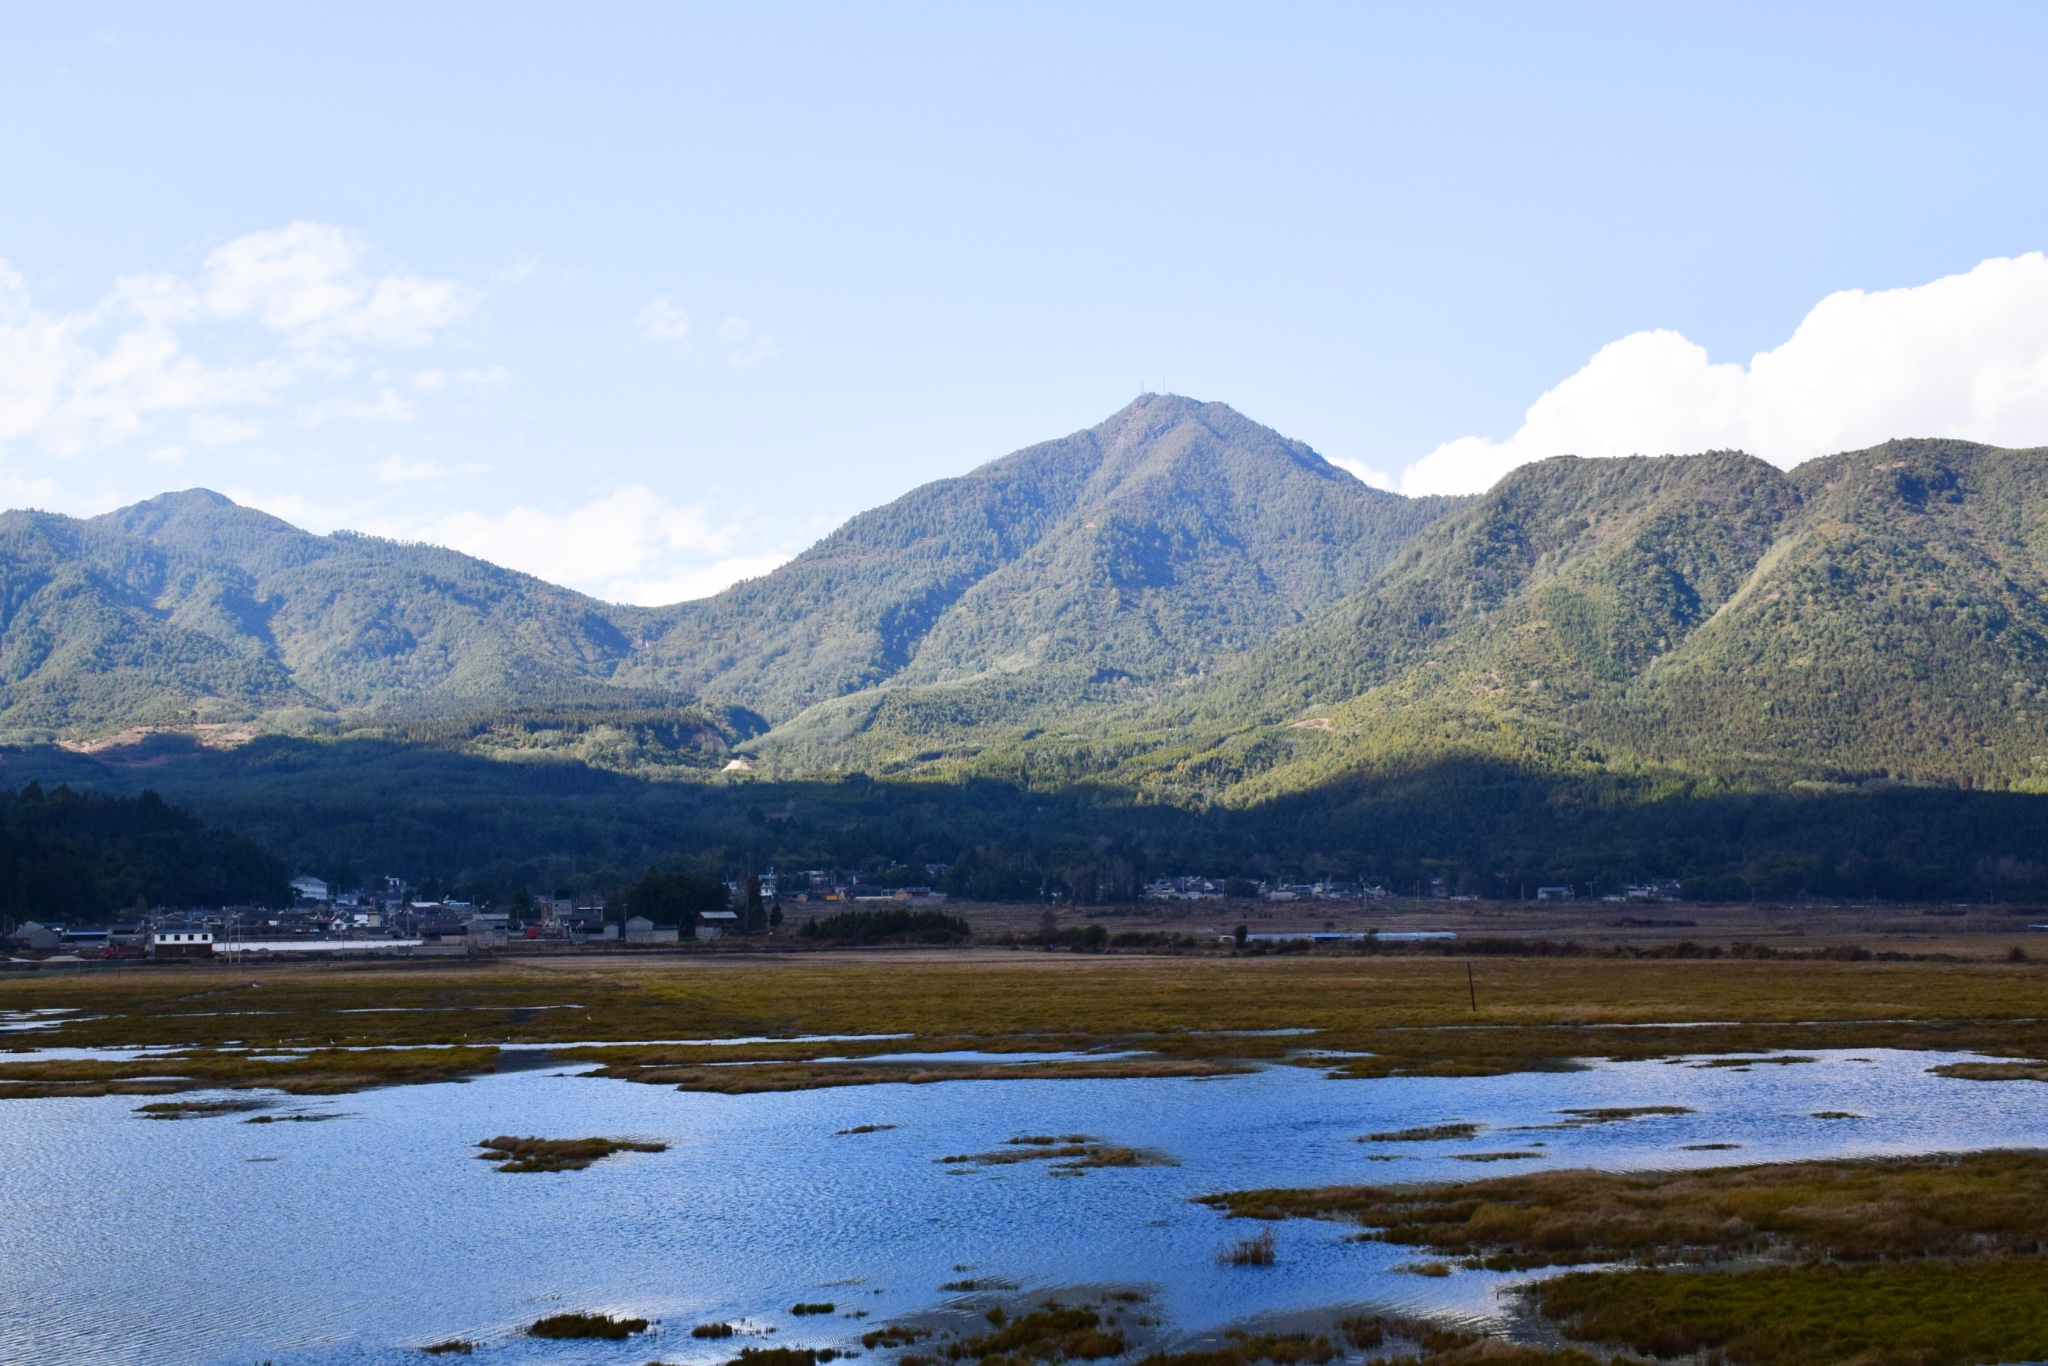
1423, 1011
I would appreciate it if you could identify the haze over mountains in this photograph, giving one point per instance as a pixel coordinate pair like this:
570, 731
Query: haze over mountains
1177, 598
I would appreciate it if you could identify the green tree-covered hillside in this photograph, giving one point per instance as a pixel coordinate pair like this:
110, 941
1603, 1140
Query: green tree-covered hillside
1168, 538
76, 858
1171, 536
1878, 616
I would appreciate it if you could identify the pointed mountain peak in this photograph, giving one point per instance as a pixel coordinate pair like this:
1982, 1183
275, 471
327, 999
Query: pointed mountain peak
202, 521
1149, 415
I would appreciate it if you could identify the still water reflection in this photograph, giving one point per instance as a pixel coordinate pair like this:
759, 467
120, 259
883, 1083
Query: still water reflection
363, 1238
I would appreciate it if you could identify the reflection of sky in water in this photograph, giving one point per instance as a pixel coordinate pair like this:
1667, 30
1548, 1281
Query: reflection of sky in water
130, 1240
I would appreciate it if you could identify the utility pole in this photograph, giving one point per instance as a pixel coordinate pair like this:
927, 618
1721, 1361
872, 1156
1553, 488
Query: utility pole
1470, 987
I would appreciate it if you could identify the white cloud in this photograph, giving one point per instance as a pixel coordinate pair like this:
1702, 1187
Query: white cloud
743, 343
690, 584
744, 346
295, 508
632, 546
218, 429
307, 282
662, 321
75, 382
19, 492
1366, 474
434, 381
1964, 356
396, 469
386, 407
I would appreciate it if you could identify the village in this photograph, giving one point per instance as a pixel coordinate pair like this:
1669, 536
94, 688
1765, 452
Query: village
395, 917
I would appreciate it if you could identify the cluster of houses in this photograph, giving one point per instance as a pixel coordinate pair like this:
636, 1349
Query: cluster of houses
1204, 889
392, 916
1208, 889
823, 885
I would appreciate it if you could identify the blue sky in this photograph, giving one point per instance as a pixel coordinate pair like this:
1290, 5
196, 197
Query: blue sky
644, 297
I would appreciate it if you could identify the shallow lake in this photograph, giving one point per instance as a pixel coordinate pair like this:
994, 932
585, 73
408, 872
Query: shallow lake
363, 1238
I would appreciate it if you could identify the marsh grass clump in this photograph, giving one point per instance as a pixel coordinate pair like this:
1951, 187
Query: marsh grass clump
802, 1309
197, 1109
1284, 1349
316, 1072
894, 1335
456, 1347
1070, 1153
1256, 1250
1052, 1332
1246, 1349
1615, 1114
713, 1330
1928, 1313
983, 1283
820, 1075
782, 1356
1979, 1204
577, 1326
1494, 1157
1428, 1133
1362, 1333
557, 1154
1993, 1071
314, 1118
863, 1129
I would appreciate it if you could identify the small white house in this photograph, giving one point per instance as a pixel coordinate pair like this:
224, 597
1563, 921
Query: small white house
1554, 894
180, 943
311, 888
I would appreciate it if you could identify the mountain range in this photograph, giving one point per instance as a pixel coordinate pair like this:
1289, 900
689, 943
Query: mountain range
1878, 616
1875, 617
1168, 538
1177, 614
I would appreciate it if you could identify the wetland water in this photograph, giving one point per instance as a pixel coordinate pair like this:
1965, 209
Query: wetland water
362, 1239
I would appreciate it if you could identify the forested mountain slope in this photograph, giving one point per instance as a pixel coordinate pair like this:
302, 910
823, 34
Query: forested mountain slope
1898, 629
1877, 615
1167, 538
189, 608
66, 856
1170, 536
